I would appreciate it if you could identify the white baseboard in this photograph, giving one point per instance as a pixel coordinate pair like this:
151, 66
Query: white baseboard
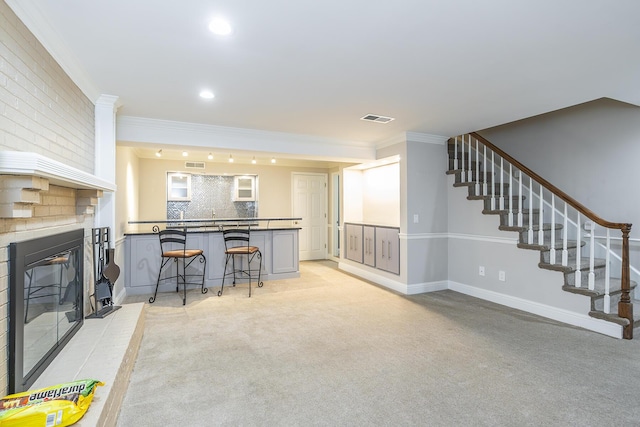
421, 288
564, 316
403, 288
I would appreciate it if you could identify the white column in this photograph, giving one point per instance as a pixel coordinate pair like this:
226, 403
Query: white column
105, 161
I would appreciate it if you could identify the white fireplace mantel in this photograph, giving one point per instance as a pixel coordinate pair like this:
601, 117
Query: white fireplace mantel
33, 164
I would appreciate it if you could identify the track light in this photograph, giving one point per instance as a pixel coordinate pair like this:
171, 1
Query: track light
253, 161
230, 158
210, 156
273, 160
185, 154
159, 153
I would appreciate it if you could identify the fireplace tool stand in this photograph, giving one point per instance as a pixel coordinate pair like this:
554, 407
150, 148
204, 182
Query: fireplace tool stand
105, 272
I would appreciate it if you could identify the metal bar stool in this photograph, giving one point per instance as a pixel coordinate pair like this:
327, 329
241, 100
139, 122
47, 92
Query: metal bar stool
236, 243
173, 246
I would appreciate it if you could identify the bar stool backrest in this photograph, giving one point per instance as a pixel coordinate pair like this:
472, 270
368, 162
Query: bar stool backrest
171, 240
236, 238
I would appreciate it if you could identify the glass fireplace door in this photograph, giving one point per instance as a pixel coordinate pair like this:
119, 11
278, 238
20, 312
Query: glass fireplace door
52, 289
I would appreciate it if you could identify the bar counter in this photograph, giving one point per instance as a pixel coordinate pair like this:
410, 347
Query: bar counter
277, 239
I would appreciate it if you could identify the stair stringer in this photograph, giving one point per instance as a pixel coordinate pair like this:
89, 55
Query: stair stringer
474, 241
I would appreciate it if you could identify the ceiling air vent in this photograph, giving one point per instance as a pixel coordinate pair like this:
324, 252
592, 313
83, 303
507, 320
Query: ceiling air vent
194, 165
377, 119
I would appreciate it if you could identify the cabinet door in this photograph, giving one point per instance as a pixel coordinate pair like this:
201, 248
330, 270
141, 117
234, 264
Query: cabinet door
285, 251
369, 245
353, 243
144, 260
244, 188
178, 186
388, 249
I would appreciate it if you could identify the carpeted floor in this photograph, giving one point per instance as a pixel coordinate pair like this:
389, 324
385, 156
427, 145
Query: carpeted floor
331, 350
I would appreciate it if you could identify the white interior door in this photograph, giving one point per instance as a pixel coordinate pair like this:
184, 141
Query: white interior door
310, 203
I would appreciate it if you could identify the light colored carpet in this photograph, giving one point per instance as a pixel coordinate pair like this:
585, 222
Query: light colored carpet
328, 349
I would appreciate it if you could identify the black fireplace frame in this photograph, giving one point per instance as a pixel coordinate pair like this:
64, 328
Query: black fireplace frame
22, 255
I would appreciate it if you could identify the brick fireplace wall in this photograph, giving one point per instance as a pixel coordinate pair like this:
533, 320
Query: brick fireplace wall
42, 111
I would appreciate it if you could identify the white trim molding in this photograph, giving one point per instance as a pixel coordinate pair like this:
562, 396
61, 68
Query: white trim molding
146, 132
412, 136
33, 164
427, 138
583, 321
373, 277
403, 288
460, 236
422, 236
489, 239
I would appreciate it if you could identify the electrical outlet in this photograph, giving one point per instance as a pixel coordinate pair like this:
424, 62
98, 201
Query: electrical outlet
502, 276
481, 270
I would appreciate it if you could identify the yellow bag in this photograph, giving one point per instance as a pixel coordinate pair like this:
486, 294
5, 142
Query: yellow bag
57, 406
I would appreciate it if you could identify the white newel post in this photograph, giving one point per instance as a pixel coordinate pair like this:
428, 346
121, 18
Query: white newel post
105, 162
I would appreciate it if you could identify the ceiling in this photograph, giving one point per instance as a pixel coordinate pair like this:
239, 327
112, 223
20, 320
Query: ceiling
315, 68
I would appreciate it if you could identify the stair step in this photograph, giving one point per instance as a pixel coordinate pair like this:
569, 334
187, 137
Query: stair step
472, 188
469, 177
613, 315
598, 263
479, 183
517, 201
525, 228
466, 164
546, 236
571, 244
615, 286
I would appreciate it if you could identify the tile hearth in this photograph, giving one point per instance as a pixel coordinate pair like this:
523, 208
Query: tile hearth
103, 349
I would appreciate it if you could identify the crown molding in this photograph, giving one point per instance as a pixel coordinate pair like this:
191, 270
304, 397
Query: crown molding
412, 136
427, 138
154, 131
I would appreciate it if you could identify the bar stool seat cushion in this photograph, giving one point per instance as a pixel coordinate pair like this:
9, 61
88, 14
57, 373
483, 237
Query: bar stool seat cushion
179, 253
239, 250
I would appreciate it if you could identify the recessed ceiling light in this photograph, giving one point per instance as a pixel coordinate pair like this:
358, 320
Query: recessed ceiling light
207, 94
220, 26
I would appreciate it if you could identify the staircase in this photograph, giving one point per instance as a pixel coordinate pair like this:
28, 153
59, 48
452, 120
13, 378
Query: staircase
571, 239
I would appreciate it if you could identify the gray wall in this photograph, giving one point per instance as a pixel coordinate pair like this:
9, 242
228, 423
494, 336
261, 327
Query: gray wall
474, 241
590, 151
426, 244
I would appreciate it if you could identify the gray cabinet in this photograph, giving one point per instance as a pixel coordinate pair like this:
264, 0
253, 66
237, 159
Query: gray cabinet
279, 249
369, 245
374, 246
353, 242
388, 249
285, 253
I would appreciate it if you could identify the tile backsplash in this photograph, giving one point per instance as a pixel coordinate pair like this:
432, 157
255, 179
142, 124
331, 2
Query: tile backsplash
211, 196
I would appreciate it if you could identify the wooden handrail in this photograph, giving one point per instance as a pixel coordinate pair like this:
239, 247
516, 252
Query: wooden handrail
555, 190
625, 307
